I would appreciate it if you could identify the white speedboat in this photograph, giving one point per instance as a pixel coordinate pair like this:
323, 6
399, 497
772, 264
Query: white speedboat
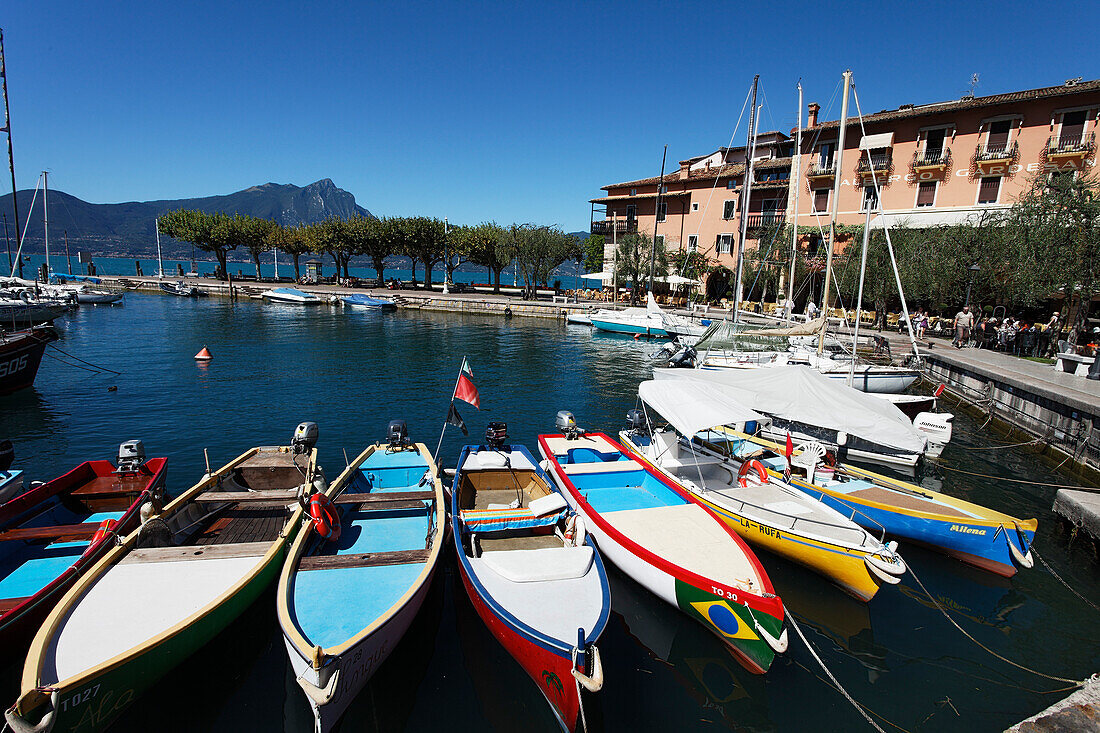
291, 295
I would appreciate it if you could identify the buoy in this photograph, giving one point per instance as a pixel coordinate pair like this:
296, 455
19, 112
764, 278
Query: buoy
637, 336
204, 355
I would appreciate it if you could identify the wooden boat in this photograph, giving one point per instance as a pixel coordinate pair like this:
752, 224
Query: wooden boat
361, 300
680, 551
961, 529
164, 592
344, 603
20, 356
51, 535
291, 296
533, 576
761, 508
11, 480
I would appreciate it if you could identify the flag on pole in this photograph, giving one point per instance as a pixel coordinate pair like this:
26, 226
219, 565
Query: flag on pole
788, 452
466, 367
453, 418
464, 388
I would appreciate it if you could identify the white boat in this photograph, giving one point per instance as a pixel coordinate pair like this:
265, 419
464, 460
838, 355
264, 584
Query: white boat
291, 295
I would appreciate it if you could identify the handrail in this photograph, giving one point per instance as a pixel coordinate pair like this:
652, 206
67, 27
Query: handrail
985, 152
932, 156
1071, 143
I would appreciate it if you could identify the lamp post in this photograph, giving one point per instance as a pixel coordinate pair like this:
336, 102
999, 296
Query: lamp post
974, 270
446, 260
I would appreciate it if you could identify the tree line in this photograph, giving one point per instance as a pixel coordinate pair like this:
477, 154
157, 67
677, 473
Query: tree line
534, 250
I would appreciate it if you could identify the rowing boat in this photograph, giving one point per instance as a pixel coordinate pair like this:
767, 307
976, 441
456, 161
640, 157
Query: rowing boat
679, 550
166, 590
54, 533
531, 573
345, 602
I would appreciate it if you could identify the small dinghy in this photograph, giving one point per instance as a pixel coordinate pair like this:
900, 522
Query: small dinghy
54, 533
531, 572
180, 289
11, 480
292, 296
361, 300
166, 590
681, 552
358, 572
97, 297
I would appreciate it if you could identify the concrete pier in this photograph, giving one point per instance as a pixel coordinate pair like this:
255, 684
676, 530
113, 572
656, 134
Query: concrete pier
1079, 508
1080, 712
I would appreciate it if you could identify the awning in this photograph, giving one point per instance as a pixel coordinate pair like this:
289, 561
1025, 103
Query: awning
874, 142
603, 276
677, 280
928, 219
693, 406
802, 394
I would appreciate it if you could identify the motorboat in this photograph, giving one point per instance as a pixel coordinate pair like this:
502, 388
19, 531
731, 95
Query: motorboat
21, 355
361, 300
648, 321
292, 296
180, 289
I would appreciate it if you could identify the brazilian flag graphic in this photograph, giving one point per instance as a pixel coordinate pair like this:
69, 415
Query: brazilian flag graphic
730, 620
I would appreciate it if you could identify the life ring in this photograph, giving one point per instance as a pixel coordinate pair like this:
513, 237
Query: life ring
742, 475
326, 520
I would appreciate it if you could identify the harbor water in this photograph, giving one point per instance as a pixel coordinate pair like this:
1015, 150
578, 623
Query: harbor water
352, 372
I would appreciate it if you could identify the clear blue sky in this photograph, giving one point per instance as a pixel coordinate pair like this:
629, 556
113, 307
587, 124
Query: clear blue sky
503, 111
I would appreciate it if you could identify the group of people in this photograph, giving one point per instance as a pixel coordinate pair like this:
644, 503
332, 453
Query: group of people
1041, 338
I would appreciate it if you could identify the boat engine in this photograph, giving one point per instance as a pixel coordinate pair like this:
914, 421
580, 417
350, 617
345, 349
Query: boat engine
637, 422
496, 435
131, 455
398, 434
685, 358
566, 424
937, 426
7, 455
305, 438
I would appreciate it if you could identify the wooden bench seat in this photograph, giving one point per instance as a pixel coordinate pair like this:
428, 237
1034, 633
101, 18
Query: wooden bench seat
362, 560
7, 604
271, 497
83, 531
387, 497
108, 486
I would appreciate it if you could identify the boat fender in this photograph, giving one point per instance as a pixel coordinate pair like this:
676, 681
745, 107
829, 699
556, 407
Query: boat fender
752, 465
326, 520
148, 509
883, 570
544, 464
19, 725
779, 646
593, 682
571, 530
106, 529
1020, 558
579, 532
320, 695
25, 296
154, 533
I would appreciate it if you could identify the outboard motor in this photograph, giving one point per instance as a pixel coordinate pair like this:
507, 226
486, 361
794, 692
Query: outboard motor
566, 424
131, 455
684, 358
398, 434
496, 435
7, 455
305, 438
637, 423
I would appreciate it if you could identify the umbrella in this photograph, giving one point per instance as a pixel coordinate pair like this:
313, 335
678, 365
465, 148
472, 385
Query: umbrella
679, 280
604, 276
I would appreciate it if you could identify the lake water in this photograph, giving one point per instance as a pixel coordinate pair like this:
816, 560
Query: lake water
352, 372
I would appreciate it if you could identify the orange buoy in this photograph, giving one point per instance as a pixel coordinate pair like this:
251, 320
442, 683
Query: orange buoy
204, 355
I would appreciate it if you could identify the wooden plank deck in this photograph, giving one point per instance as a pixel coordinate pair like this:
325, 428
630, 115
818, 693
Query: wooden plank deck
385, 498
81, 531
366, 559
248, 523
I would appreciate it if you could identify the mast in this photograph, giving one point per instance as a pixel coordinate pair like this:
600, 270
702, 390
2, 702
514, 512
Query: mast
859, 298
68, 258
46, 220
656, 217
837, 178
11, 158
160, 262
797, 192
746, 192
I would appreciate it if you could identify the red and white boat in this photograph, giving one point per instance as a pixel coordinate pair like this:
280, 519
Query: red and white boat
20, 355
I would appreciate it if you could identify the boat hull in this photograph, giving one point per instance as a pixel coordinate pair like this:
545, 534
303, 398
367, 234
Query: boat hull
879, 382
98, 298
628, 328
20, 358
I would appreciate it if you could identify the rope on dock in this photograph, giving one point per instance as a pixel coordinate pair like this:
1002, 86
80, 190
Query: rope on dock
813, 653
1060, 580
1075, 683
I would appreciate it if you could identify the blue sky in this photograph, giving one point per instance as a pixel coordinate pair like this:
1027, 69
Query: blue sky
474, 111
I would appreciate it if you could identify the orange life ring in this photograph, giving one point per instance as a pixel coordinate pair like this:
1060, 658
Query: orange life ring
326, 520
742, 475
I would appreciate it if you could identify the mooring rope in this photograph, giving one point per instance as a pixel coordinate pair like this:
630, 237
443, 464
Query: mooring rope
817, 676
90, 364
1019, 480
856, 705
1060, 580
1075, 683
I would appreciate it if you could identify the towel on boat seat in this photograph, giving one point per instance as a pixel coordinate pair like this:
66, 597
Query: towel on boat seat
542, 565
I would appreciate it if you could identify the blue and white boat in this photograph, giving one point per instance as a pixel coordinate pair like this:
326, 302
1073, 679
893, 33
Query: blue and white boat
362, 300
359, 570
648, 321
291, 295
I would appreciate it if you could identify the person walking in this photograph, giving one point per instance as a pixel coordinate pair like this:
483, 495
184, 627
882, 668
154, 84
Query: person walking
964, 321
1051, 333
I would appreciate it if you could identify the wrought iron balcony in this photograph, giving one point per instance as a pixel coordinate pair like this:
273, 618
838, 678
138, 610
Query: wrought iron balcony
996, 153
765, 220
877, 163
932, 158
1072, 145
822, 168
608, 227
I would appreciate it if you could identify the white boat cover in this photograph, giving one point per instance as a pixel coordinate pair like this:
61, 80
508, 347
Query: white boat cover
804, 395
693, 406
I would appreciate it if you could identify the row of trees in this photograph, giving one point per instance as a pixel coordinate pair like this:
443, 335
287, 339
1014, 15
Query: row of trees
534, 250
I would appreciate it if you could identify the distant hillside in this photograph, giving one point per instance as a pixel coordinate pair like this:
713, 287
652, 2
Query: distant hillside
128, 228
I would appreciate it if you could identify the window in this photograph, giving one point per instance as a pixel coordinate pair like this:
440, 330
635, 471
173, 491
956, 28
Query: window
926, 194
662, 211
731, 184
693, 242
1073, 125
813, 245
825, 154
769, 212
821, 200
933, 140
724, 244
998, 135
729, 209
633, 192
870, 199
664, 189
631, 212
694, 205
1060, 179
989, 189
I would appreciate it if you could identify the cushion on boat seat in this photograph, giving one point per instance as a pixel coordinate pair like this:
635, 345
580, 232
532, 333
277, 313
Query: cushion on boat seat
552, 502
532, 566
497, 520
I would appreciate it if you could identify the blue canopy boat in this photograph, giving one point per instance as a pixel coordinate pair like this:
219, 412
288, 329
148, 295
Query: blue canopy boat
362, 300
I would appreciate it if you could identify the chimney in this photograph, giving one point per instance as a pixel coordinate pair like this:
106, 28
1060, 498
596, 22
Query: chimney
813, 108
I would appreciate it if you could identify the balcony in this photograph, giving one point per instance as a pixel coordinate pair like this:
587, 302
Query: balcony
996, 153
1071, 146
822, 168
783, 183
933, 158
877, 164
765, 220
616, 227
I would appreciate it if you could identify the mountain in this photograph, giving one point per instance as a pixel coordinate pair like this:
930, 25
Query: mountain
128, 228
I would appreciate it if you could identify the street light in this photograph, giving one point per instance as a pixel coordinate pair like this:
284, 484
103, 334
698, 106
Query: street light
446, 261
974, 270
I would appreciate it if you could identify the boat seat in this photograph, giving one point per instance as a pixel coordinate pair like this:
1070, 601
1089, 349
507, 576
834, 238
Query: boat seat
83, 531
539, 566
364, 559
575, 469
688, 461
7, 604
388, 497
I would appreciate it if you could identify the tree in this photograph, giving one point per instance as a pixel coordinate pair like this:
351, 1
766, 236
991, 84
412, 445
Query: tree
253, 233
331, 237
633, 257
540, 249
368, 238
209, 232
593, 253
295, 241
424, 241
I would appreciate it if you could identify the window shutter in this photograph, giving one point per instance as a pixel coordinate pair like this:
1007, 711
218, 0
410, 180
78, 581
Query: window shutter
1073, 124
926, 194
998, 135
987, 192
821, 199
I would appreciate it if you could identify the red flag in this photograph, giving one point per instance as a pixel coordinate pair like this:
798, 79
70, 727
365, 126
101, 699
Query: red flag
790, 448
466, 391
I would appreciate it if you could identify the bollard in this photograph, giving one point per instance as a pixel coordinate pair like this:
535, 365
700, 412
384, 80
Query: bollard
1094, 368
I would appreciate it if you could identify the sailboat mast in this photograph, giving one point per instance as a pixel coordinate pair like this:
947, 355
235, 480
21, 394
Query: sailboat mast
797, 192
837, 179
46, 220
160, 262
11, 157
656, 219
859, 297
746, 190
